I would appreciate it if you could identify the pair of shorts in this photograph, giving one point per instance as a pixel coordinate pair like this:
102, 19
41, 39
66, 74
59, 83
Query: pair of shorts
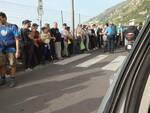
7, 59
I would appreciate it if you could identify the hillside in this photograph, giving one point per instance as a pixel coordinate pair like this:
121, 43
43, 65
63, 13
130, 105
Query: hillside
125, 11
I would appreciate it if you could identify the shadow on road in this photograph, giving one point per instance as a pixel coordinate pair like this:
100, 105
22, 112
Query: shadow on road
86, 106
34, 98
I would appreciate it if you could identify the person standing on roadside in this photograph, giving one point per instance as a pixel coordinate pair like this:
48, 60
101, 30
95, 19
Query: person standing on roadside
52, 42
78, 39
69, 41
110, 36
38, 47
27, 45
86, 37
93, 37
114, 34
105, 38
9, 50
99, 36
65, 52
62, 38
119, 37
46, 38
56, 33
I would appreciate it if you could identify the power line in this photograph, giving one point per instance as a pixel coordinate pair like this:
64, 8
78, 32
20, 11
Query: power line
49, 15
46, 9
18, 4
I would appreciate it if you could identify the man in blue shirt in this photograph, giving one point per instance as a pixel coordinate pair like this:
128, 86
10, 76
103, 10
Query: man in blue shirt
9, 49
110, 31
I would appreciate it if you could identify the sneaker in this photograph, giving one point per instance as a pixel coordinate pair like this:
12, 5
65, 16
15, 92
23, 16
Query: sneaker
60, 58
12, 83
2, 82
94, 49
28, 70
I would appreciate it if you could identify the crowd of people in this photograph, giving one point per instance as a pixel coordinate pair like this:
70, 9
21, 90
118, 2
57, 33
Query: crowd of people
56, 44
52, 43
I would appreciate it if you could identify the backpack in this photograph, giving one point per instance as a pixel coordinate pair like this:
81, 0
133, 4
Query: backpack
114, 30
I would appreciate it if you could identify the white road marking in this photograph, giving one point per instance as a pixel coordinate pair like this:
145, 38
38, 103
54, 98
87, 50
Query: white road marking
92, 61
115, 64
72, 59
27, 100
59, 78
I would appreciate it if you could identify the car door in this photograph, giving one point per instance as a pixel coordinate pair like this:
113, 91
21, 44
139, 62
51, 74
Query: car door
126, 91
145, 100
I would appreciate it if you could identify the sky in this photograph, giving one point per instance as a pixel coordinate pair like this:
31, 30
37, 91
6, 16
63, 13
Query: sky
18, 10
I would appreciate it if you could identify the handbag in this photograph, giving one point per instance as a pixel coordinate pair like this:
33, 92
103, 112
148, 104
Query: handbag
69, 42
82, 46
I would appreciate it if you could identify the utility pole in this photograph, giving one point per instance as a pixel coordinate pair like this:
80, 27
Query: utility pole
40, 12
62, 17
73, 18
79, 18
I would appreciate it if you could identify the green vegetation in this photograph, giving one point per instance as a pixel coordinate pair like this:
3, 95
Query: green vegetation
125, 11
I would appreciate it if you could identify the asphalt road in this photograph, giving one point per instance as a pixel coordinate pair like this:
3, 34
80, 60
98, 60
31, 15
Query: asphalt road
74, 85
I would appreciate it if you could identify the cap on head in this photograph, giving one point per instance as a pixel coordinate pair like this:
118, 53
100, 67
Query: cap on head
35, 25
43, 28
64, 24
68, 28
26, 22
47, 25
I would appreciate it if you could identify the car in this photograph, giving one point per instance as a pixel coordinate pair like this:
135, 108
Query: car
130, 90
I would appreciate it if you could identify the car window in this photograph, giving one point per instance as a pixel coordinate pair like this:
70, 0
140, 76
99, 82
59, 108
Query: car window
145, 102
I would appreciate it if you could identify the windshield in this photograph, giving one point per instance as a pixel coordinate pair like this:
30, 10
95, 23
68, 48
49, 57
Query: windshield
62, 56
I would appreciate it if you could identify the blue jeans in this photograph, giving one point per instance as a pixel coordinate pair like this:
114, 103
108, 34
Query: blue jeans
47, 52
111, 43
